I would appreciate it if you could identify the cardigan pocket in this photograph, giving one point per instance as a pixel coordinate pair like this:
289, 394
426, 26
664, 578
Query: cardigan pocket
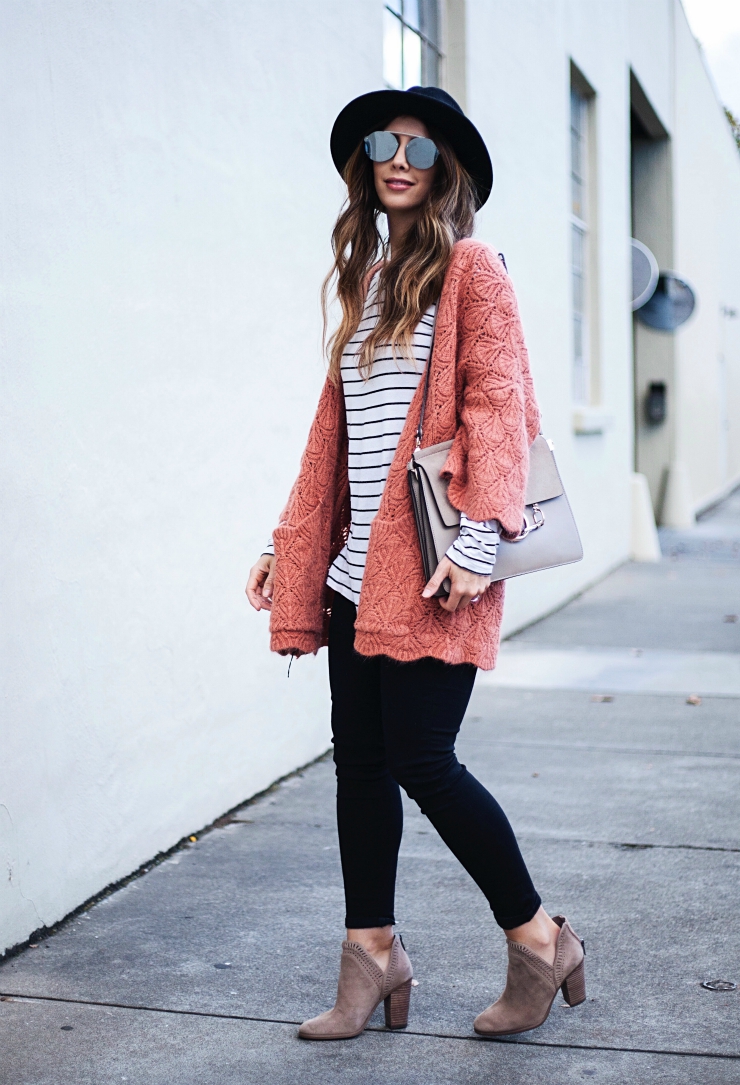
301, 565
394, 578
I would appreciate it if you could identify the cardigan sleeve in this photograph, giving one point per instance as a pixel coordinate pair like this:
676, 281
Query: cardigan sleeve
310, 529
499, 418
319, 460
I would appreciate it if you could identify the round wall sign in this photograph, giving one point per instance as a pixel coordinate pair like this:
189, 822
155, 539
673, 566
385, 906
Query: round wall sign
671, 304
644, 274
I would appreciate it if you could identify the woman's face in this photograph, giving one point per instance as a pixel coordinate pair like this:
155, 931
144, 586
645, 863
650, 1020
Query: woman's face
402, 187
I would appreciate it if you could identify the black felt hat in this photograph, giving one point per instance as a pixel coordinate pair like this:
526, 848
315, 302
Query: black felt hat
432, 105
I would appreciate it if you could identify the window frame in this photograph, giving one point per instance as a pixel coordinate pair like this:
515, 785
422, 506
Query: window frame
396, 9
582, 220
579, 241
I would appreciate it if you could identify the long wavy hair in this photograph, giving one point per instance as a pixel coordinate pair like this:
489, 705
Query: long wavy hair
412, 274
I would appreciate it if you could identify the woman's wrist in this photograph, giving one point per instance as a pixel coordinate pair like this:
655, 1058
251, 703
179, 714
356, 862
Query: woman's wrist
475, 547
469, 564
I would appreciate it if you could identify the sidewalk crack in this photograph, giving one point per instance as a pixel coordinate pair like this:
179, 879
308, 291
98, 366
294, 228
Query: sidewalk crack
430, 1034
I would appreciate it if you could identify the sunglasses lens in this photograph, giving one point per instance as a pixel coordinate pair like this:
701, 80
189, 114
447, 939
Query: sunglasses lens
381, 146
421, 153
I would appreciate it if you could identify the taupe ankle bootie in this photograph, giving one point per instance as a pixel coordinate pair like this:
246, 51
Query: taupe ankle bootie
531, 985
362, 986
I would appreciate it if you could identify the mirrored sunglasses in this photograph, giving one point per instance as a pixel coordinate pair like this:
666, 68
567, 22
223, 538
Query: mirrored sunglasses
421, 153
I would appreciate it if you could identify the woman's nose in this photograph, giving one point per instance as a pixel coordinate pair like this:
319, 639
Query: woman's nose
399, 158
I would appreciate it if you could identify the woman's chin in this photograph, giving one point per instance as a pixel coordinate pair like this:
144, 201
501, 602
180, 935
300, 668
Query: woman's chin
399, 201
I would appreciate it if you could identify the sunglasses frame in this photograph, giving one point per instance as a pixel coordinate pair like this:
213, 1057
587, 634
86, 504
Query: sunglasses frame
411, 146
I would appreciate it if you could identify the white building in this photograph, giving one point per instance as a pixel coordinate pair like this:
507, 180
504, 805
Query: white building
167, 197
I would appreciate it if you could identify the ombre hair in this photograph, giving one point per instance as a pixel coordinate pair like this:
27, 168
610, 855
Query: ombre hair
411, 279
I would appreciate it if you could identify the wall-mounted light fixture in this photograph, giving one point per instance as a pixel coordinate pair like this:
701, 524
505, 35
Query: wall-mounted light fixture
656, 403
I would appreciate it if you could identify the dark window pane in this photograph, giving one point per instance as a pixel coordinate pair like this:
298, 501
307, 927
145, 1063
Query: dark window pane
429, 65
577, 152
577, 197
429, 21
581, 376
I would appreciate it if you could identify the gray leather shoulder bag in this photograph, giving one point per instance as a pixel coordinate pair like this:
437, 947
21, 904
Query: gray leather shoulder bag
548, 538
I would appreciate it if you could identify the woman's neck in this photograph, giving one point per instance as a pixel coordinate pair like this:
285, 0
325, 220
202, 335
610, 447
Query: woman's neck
399, 224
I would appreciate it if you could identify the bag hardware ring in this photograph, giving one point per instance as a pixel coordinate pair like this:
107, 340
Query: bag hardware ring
538, 519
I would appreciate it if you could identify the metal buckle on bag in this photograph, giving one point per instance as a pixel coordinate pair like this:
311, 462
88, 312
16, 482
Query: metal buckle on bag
538, 519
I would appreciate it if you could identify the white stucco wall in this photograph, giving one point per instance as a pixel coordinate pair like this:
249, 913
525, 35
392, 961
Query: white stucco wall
521, 103
167, 197
707, 214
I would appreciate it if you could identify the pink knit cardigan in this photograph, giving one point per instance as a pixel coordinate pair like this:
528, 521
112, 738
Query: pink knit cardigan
480, 394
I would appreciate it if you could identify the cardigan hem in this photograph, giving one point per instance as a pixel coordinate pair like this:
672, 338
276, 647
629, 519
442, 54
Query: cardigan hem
305, 641
377, 644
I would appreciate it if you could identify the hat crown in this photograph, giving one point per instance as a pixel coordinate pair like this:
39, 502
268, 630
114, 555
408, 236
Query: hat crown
437, 94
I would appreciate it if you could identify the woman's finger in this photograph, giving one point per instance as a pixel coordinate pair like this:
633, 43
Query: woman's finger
266, 598
435, 582
254, 595
254, 586
453, 600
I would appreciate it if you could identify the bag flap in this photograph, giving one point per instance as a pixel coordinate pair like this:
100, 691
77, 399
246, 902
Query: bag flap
543, 482
431, 460
433, 451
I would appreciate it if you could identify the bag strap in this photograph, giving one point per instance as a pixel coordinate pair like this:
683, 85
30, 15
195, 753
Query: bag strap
420, 427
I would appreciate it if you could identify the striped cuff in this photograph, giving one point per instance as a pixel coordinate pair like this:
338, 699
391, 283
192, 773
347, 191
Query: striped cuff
475, 547
270, 548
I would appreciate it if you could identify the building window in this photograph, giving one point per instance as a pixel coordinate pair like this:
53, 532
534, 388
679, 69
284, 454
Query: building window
411, 52
579, 234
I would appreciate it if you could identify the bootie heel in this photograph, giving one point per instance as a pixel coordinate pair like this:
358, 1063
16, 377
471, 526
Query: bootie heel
396, 1006
362, 987
574, 987
532, 984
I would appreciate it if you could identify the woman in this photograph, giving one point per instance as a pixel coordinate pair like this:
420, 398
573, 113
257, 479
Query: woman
346, 568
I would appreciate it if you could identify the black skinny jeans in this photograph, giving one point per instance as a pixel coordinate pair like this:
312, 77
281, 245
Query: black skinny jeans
396, 724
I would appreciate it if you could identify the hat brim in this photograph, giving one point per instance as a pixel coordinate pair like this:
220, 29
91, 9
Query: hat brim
363, 114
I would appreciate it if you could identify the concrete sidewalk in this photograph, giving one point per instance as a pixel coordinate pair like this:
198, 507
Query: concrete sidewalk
624, 797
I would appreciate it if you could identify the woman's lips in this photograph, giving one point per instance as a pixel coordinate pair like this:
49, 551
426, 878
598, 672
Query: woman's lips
398, 185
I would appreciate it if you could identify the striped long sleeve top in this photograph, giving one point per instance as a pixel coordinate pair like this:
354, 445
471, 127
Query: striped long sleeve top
376, 407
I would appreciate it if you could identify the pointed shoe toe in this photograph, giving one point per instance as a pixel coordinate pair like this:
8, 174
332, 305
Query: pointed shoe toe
318, 1028
362, 987
532, 984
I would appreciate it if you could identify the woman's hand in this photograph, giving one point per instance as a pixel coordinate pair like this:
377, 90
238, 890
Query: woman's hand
259, 585
466, 587
259, 592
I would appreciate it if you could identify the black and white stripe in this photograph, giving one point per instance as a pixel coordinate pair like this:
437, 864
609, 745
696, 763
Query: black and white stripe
377, 406
475, 547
